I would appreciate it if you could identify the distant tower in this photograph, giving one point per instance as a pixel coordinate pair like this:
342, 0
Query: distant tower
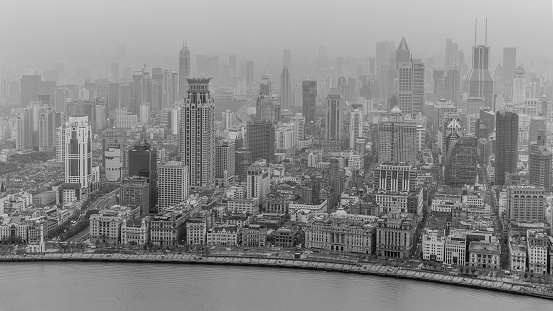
397, 139
410, 86
481, 84
78, 153
285, 88
509, 64
287, 58
184, 69
539, 162
309, 100
198, 133
506, 155
519, 86
355, 126
334, 115
224, 162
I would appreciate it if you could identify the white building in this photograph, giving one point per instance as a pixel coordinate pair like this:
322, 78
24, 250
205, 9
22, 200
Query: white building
106, 227
196, 230
113, 164
173, 184
144, 112
433, 245
258, 182
355, 126
124, 119
228, 118
135, 232
313, 158
223, 235
538, 251
240, 206
455, 248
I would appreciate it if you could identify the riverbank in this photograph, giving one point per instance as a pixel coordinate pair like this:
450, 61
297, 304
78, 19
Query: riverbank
507, 285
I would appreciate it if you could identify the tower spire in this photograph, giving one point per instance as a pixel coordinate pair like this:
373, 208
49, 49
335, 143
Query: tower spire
486, 38
475, 27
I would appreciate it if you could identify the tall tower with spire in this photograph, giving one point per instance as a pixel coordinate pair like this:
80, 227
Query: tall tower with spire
184, 69
410, 86
481, 83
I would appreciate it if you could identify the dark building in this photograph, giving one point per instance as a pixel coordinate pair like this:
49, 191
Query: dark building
135, 191
242, 160
506, 155
460, 167
439, 83
452, 84
309, 100
143, 162
30, 87
261, 140
539, 162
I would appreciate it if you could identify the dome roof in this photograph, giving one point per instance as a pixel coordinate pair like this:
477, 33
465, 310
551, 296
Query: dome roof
340, 213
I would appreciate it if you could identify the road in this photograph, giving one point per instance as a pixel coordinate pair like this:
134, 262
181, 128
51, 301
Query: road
102, 203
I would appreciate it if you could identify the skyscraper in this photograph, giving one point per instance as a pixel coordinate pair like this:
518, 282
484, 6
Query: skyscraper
249, 72
265, 86
461, 161
334, 119
309, 99
519, 86
258, 182
396, 177
506, 156
539, 162
287, 58
173, 184
198, 133
30, 87
481, 83
410, 73
397, 139
114, 72
184, 70
509, 64
285, 88
224, 162
355, 126
135, 191
143, 162
261, 140
452, 84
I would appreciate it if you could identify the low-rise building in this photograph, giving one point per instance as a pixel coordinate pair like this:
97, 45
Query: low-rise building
254, 235
286, 236
196, 229
395, 234
135, 232
169, 227
223, 235
517, 254
44, 198
244, 206
538, 251
455, 248
105, 227
341, 233
485, 255
433, 245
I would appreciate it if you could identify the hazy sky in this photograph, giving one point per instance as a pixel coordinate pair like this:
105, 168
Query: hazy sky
221, 27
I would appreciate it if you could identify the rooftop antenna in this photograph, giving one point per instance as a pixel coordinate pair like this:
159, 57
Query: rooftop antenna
475, 27
486, 40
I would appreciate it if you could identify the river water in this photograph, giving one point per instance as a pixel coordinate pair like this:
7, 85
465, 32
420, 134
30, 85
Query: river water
137, 286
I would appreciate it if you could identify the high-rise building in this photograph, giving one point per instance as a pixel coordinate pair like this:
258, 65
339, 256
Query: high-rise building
113, 97
232, 65
287, 58
184, 70
77, 153
461, 161
114, 72
481, 84
396, 177
258, 182
509, 64
173, 184
355, 126
135, 191
113, 164
519, 86
452, 84
198, 133
539, 162
30, 87
224, 163
397, 139
526, 203
261, 140
242, 161
268, 108
506, 158
249, 72
309, 100
143, 162
439, 83
265, 86
228, 118
285, 88
334, 115
410, 73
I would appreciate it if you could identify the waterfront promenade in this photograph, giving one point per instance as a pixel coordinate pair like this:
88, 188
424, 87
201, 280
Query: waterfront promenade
509, 285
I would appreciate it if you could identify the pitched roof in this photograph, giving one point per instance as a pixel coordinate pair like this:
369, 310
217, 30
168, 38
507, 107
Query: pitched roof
403, 45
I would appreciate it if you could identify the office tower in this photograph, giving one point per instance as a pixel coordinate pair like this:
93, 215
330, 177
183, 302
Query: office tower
242, 161
519, 86
461, 162
113, 163
452, 84
355, 126
336, 182
506, 156
198, 133
143, 162
258, 182
135, 191
261, 140
224, 163
509, 64
410, 84
47, 89
481, 84
265, 86
287, 58
268, 108
24, 130
232, 65
439, 83
184, 70
30, 87
334, 110
309, 99
384, 53
539, 162
228, 118
173, 183
396, 177
526, 203
249, 72
285, 89
397, 139
114, 72
451, 54
100, 121
144, 112
77, 154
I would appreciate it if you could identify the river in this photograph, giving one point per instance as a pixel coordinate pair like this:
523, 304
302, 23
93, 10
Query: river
135, 286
